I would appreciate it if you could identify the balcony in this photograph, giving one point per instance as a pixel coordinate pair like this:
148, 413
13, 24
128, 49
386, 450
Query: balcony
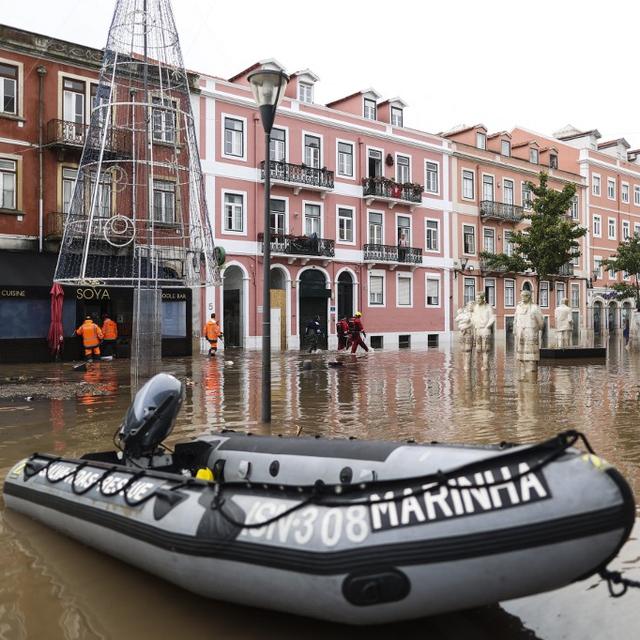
391, 254
491, 210
299, 176
486, 268
300, 247
54, 225
391, 192
566, 270
63, 134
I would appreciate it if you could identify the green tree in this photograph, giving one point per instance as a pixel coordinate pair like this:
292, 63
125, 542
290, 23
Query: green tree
626, 259
549, 242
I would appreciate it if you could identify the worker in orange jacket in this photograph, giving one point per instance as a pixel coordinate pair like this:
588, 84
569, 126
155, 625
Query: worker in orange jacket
110, 333
91, 337
212, 332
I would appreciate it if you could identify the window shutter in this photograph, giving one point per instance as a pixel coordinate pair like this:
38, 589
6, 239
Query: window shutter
404, 291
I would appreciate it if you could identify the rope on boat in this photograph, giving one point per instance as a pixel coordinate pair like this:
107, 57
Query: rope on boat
615, 577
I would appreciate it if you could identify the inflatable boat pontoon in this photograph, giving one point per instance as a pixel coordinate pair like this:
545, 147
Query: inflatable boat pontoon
353, 531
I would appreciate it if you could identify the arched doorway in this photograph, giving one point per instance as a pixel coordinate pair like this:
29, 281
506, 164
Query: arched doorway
345, 295
626, 313
313, 294
597, 318
233, 304
613, 316
279, 308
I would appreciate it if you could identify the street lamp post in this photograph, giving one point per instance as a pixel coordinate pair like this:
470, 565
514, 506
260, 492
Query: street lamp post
268, 87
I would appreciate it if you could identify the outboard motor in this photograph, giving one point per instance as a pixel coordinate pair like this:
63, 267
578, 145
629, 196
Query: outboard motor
149, 420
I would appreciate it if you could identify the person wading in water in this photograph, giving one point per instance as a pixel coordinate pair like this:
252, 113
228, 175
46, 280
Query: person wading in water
212, 332
355, 325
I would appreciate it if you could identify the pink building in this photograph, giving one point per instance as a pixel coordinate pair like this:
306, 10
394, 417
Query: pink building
359, 214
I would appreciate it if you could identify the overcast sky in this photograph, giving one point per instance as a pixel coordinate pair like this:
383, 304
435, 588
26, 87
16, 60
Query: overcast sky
540, 65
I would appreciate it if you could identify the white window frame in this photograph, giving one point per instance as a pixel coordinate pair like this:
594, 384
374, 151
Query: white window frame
493, 232
534, 155
597, 266
611, 236
353, 224
636, 194
526, 204
481, 140
575, 207
286, 210
636, 228
426, 173
286, 142
513, 191
365, 169
493, 186
408, 275
596, 184
574, 287
626, 229
304, 216
410, 217
233, 192
513, 287
495, 293
308, 88
508, 143
597, 226
544, 286
167, 110
302, 147
426, 235
377, 273
364, 108
243, 157
559, 286
173, 191
473, 184
393, 112
354, 167
404, 155
465, 280
475, 239
507, 243
624, 192
611, 189
19, 81
434, 277
14, 174
381, 212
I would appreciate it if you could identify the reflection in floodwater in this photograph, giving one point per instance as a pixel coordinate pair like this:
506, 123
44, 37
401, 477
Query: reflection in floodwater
58, 589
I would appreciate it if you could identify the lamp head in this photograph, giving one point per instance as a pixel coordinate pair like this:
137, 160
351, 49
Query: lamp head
268, 86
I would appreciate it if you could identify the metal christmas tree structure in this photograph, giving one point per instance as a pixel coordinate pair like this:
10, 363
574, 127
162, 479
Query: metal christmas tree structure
138, 215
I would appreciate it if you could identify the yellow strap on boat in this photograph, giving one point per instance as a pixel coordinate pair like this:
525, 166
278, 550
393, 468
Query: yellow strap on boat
596, 461
205, 474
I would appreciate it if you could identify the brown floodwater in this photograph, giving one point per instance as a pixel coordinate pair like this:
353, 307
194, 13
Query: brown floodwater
53, 587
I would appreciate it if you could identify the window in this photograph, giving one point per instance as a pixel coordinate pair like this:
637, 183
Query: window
73, 97
507, 191
574, 208
370, 109
164, 201
487, 188
278, 210
626, 229
611, 189
233, 137
376, 289
68, 180
469, 290
544, 294
611, 229
103, 198
345, 159
489, 240
403, 169
595, 185
163, 116
526, 196
481, 140
397, 117
234, 212
612, 274
374, 163
533, 156
8, 89
469, 234
404, 231
636, 229
553, 161
597, 229
636, 194
8, 183
312, 151
404, 290
597, 264
508, 245
560, 293
490, 291
278, 145
468, 190
624, 194
312, 220
575, 296
305, 92
505, 148
432, 184
433, 235
509, 293
345, 224
433, 292
375, 228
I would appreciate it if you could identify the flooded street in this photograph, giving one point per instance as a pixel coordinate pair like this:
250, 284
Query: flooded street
55, 588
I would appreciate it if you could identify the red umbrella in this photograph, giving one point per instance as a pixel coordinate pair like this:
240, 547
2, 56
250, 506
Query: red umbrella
55, 338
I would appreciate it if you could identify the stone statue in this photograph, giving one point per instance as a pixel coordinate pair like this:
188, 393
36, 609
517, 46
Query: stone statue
564, 324
482, 319
463, 320
527, 325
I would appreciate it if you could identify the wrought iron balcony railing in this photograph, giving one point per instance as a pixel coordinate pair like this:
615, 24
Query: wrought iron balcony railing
390, 189
300, 245
299, 174
566, 269
392, 253
485, 266
62, 133
501, 211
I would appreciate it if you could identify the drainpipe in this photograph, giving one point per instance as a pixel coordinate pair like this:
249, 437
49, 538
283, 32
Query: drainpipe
364, 228
42, 72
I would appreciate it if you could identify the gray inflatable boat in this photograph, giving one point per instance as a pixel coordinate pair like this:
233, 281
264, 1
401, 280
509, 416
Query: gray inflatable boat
353, 531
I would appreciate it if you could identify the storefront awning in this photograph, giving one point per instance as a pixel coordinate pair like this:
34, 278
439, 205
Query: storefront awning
27, 269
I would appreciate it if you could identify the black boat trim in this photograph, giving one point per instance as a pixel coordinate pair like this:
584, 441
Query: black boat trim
418, 552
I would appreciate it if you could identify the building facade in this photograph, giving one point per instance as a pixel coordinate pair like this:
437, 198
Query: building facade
359, 215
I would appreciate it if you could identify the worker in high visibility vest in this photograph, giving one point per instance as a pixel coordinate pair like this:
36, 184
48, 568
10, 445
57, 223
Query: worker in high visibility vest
212, 332
91, 337
110, 333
